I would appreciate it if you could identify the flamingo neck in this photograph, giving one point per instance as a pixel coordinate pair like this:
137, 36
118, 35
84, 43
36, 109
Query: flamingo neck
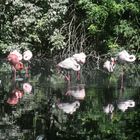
77, 67
132, 58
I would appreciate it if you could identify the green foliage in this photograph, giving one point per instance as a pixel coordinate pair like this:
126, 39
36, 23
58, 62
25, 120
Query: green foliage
112, 24
66, 26
31, 23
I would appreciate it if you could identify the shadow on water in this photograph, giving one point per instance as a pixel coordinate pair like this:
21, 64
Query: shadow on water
99, 106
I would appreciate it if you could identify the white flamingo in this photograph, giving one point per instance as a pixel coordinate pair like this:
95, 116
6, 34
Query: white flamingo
73, 63
124, 56
80, 57
78, 93
27, 55
108, 109
123, 106
69, 64
109, 65
69, 108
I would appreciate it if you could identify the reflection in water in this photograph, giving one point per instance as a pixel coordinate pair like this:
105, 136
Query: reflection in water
40, 137
36, 117
15, 96
108, 109
17, 92
78, 92
27, 87
69, 107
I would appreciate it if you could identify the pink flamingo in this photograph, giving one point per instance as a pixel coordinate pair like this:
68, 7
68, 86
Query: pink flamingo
73, 63
80, 57
16, 94
14, 59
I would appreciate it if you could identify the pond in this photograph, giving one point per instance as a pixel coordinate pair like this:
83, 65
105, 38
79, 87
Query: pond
98, 106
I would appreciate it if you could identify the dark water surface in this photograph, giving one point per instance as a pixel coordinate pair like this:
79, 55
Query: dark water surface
99, 106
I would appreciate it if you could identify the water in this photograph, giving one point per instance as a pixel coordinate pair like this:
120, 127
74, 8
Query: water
99, 106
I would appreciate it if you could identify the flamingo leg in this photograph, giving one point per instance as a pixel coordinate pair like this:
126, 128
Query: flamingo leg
27, 72
58, 69
122, 80
78, 75
14, 72
67, 77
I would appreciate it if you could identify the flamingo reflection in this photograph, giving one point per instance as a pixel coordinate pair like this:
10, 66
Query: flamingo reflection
17, 93
78, 92
69, 108
108, 109
15, 96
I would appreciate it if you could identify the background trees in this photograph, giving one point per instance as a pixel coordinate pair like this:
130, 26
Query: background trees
62, 27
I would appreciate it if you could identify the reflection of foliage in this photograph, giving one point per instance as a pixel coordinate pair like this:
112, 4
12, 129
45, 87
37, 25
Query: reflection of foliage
37, 113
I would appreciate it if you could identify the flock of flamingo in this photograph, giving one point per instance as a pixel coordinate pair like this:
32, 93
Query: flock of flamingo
17, 60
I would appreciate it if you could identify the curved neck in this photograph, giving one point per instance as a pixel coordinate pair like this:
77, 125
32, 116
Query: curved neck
131, 58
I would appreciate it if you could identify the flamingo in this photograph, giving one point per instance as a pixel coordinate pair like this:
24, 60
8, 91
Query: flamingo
124, 56
78, 93
16, 94
80, 57
108, 109
27, 88
69, 108
73, 63
123, 106
109, 65
14, 59
19, 55
69, 64
27, 55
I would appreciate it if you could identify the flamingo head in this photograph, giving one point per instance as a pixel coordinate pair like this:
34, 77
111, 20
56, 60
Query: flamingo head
13, 59
27, 55
18, 54
80, 57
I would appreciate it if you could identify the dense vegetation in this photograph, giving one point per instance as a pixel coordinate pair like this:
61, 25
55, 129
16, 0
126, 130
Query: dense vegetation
59, 28
50, 27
